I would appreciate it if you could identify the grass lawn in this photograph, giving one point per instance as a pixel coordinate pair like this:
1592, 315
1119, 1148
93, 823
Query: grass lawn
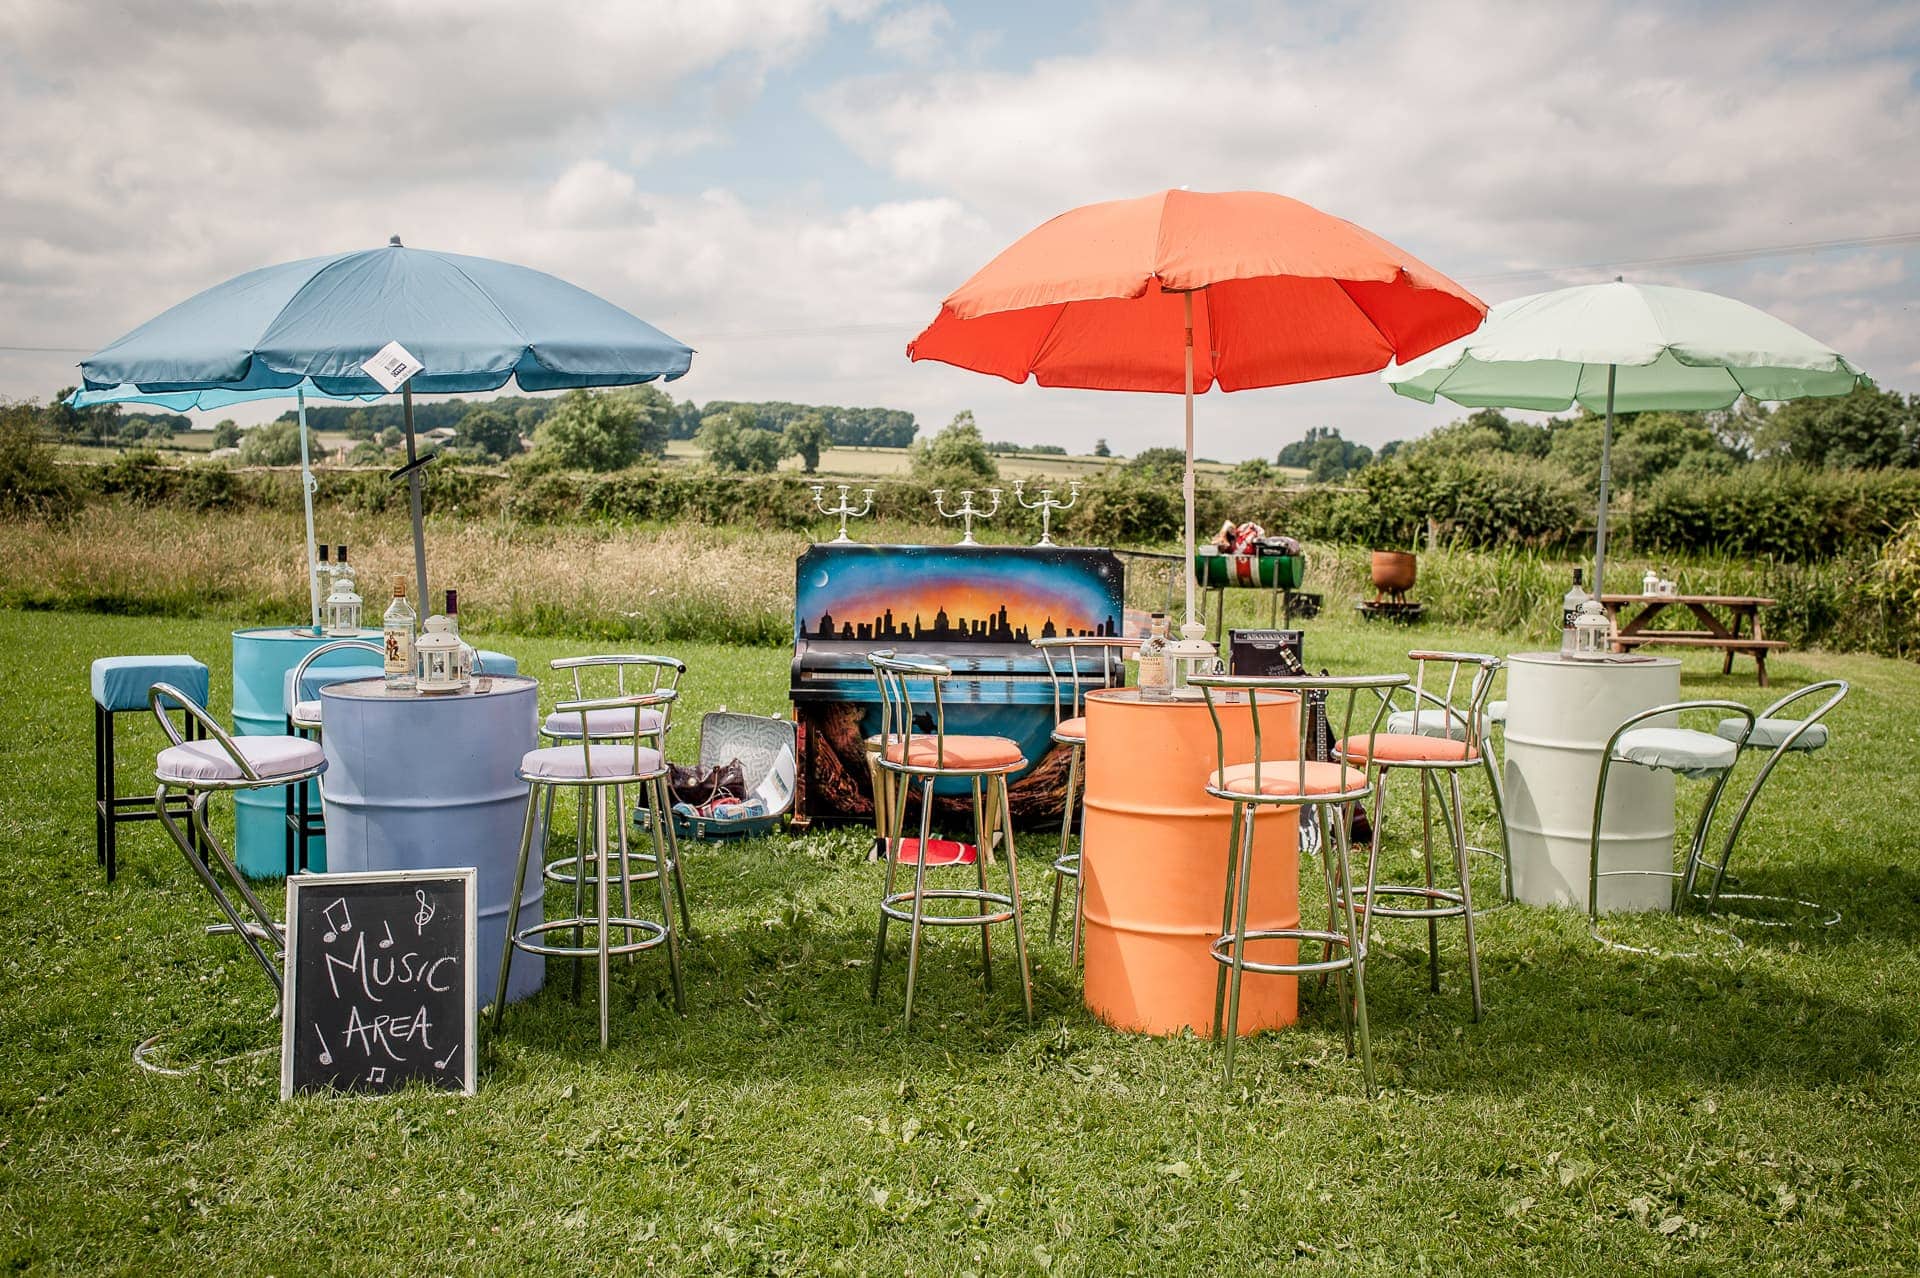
1752, 1112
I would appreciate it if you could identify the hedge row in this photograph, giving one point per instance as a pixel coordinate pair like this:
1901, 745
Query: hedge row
1779, 513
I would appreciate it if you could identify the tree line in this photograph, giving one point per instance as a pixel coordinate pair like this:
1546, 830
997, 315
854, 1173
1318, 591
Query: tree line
1867, 429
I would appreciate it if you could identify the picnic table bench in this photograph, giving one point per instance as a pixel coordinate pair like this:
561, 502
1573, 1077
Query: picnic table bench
1743, 613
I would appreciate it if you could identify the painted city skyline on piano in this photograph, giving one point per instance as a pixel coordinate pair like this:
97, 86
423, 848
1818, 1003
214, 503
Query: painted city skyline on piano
906, 595
996, 628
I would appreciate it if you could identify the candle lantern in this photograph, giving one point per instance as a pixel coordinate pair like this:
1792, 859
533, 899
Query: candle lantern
442, 661
1191, 655
341, 611
1592, 632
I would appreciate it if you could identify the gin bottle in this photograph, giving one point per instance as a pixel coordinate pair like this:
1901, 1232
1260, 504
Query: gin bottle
1156, 683
1569, 610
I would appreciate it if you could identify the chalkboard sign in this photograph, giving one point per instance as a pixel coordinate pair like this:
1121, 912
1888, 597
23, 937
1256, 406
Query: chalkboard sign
380, 981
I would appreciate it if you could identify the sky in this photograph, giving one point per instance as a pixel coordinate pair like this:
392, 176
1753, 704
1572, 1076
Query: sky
791, 188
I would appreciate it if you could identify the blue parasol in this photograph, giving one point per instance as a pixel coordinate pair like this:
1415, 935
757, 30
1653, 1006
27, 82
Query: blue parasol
306, 328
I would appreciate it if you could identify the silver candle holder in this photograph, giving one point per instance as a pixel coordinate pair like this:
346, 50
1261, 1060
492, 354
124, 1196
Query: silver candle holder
966, 511
1046, 505
843, 508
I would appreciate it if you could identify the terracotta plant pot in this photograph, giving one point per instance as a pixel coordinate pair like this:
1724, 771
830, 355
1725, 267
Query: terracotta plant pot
1393, 571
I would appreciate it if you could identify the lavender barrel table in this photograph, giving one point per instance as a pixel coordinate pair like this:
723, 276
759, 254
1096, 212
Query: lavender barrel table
428, 782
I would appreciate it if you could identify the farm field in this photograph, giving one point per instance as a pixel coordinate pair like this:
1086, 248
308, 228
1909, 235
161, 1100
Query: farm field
1747, 1110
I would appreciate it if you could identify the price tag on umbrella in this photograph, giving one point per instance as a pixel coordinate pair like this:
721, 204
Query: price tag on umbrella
392, 366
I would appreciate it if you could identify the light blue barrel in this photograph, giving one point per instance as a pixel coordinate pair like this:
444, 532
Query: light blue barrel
262, 660
430, 782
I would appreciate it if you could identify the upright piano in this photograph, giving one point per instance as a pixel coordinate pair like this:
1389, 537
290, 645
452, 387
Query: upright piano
975, 609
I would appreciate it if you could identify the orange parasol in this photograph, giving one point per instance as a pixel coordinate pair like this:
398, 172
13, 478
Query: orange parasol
1103, 298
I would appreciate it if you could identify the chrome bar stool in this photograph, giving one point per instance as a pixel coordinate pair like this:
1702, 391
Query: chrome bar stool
121, 686
216, 762
1774, 732
196, 769
1076, 665
910, 754
1291, 783
601, 770
303, 720
1687, 751
1432, 757
631, 673
1431, 718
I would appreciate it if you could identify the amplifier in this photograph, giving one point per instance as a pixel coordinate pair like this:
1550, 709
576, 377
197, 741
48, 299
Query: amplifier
1266, 652
1263, 653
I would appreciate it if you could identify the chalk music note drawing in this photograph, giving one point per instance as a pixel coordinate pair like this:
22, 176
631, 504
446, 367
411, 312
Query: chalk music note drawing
442, 1064
424, 915
326, 1053
378, 1074
388, 943
336, 926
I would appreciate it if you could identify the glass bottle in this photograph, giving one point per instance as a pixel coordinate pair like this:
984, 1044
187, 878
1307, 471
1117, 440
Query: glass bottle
469, 655
1156, 682
397, 626
1569, 612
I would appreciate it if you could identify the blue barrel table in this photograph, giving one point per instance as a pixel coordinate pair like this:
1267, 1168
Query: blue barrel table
262, 660
418, 782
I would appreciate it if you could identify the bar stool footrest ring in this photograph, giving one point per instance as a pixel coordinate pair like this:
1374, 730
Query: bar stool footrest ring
892, 907
1813, 908
1454, 907
1068, 865
1222, 951
561, 869
1621, 947
525, 939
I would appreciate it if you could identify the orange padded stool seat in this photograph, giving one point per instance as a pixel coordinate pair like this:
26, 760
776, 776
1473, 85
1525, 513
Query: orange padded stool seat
955, 752
1282, 776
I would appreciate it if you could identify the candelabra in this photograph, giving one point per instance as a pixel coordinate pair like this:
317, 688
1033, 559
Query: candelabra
843, 509
966, 511
1047, 505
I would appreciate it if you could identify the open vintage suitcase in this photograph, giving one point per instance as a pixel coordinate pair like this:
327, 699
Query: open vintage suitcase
756, 741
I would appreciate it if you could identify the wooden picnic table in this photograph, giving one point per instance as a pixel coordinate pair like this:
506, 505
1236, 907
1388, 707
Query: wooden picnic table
1741, 631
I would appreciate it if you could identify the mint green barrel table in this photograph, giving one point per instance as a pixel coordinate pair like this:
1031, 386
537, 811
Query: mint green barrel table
262, 660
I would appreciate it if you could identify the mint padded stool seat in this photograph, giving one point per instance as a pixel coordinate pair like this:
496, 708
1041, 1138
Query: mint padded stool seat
120, 686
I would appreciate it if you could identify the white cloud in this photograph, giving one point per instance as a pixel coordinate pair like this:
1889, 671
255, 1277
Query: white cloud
915, 32
1481, 137
166, 151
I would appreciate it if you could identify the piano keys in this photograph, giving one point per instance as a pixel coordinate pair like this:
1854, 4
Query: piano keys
975, 609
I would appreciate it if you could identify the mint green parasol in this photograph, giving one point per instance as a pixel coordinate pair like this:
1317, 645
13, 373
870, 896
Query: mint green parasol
1626, 348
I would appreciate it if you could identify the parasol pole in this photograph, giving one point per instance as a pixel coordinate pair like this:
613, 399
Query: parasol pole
1600, 523
307, 485
413, 499
1187, 479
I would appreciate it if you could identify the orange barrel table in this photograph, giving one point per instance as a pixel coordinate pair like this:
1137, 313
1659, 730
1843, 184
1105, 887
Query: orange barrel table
1154, 863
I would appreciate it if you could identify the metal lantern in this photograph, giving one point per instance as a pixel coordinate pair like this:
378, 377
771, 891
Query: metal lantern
341, 612
441, 662
1190, 655
1592, 632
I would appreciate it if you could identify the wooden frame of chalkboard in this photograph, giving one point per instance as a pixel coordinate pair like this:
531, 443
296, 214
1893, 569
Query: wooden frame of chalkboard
370, 1014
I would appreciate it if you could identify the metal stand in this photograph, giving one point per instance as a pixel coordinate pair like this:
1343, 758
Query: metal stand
1046, 506
966, 511
842, 508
